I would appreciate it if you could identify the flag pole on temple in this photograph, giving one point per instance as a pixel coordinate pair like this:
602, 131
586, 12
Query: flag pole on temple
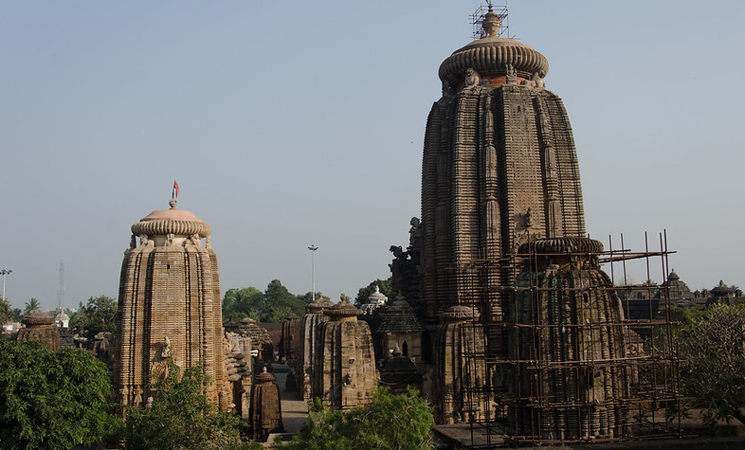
175, 191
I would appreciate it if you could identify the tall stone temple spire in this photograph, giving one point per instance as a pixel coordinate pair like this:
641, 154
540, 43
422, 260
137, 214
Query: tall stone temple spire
169, 306
499, 168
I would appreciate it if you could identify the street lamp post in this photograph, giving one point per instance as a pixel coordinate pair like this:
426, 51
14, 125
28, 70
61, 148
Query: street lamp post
313, 249
4, 272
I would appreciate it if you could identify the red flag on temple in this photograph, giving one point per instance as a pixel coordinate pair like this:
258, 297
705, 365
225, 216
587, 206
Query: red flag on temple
174, 193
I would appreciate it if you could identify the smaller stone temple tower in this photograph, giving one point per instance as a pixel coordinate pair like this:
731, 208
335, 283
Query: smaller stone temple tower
344, 372
311, 325
40, 327
169, 306
400, 328
460, 367
568, 344
288, 347
265, 414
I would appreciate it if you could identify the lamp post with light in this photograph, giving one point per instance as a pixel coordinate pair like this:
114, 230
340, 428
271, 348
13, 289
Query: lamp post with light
313, 249
4, 272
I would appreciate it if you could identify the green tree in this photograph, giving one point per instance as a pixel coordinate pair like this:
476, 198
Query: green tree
385, 286
240, 303
278, 302
99, 314
712, 348
390, 422
32, 305
6, 311
52, 400
17, 314
181, 417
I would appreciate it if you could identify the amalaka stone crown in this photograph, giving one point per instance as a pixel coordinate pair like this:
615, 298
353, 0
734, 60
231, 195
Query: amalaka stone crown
490, 56
171, 221
563, 245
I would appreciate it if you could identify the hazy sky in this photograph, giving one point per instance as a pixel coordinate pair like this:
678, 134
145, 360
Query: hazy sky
295, 123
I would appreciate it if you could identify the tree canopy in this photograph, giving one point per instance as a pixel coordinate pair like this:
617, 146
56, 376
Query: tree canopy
6, 311
712, 348
272, 305
99, 314
181, 417
52, 400
390, 421
32, 305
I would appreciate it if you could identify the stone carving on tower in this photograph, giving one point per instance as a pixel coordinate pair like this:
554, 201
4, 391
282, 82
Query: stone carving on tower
169, 306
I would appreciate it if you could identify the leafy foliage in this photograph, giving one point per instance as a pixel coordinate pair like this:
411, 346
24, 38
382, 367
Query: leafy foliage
271, 306
713, 348
385, 286
181, 417
99, 314
6, 311
52, 400
32, 305
389, 422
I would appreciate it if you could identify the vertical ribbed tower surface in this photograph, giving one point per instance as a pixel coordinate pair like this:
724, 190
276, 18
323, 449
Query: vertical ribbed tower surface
169, 305
499, 166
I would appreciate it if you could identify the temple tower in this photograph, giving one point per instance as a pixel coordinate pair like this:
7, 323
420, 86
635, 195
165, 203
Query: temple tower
569, 346
460, 367
310, 333
344, 372
499, 168
169, 306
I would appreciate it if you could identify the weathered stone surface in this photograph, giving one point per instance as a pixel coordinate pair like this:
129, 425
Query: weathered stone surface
169, 305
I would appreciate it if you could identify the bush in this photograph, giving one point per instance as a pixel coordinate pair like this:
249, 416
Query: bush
389, 422
52, 400
181, 417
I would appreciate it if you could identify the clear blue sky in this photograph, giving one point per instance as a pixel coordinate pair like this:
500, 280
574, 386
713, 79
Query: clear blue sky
295, 123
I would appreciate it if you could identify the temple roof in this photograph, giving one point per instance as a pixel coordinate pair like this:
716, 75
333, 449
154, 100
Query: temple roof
399, 317
460, 313
319, 305
37, 318
171, 221
342, 310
